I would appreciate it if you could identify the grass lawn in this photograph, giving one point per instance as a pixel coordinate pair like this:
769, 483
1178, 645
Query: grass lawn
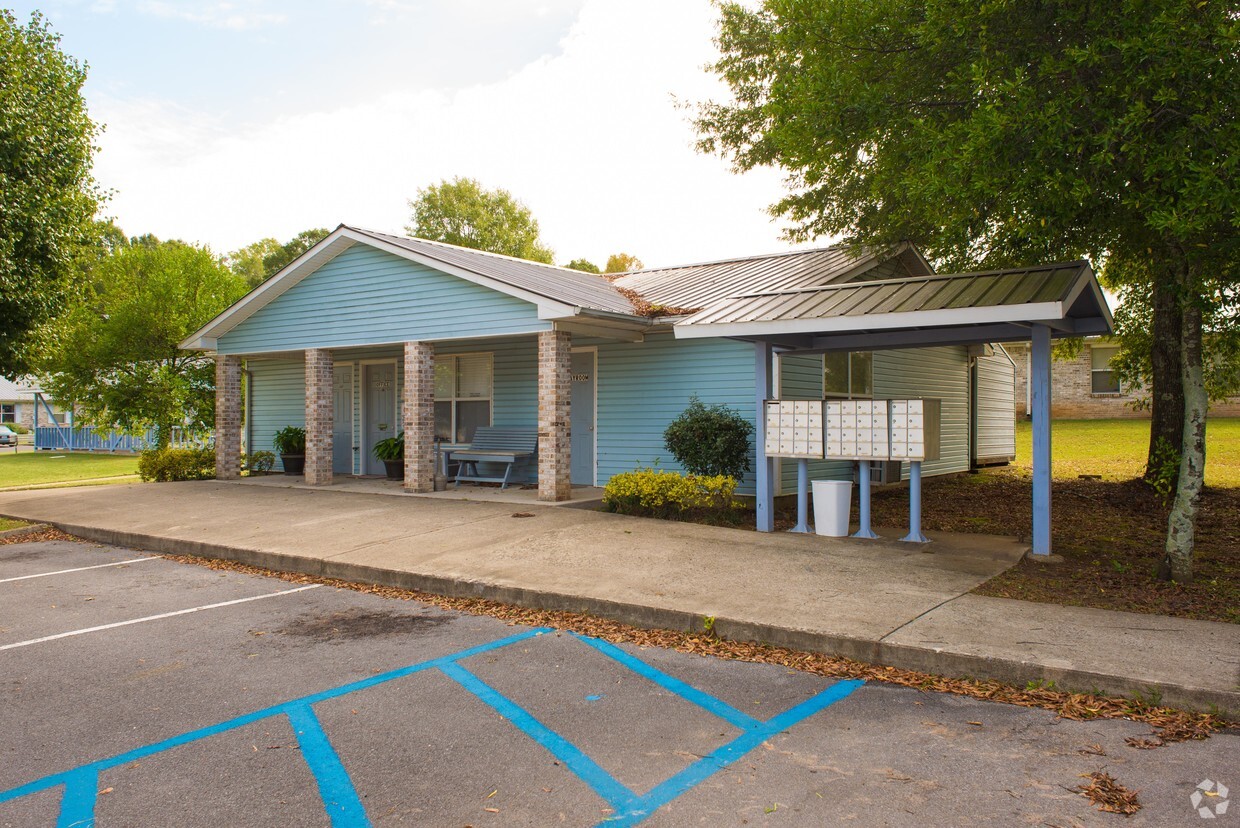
8, 523
1110, 532
1116, 449
29, 468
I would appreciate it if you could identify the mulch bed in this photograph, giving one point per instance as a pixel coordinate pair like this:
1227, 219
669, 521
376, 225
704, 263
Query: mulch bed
1110, 534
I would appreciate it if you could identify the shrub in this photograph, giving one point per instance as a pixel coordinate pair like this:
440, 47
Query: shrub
710, 440
290, 440
393, 448
667, 494
17, 428
260, 462
170, 464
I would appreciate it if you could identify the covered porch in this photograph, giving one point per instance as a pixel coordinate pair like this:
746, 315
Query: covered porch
1037, 305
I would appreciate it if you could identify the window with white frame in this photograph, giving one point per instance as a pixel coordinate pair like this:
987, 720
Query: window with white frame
848, 374
1103, 378
463, 391
8, 413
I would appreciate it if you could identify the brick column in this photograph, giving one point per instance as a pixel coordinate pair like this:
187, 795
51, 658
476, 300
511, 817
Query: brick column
554, 394
227, 417
419, 408
320, 405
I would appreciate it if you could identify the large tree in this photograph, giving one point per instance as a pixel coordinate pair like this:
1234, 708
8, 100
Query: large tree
464, 213
259, 261
1001, 133
622, 263
47, 196
114, 354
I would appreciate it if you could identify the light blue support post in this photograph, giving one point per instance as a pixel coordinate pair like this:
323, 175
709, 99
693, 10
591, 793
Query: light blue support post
802, 497
863, 501
765, 480
1040, 402
914, 504
34, 403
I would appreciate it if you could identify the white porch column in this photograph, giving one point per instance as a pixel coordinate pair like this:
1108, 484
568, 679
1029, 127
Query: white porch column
419, 425
764, 481
227, 417
1040, 400
554, 396
319, 413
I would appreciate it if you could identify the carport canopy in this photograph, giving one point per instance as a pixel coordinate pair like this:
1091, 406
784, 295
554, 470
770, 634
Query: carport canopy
1034, 304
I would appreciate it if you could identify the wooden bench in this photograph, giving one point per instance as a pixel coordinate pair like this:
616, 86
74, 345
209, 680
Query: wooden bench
506, 445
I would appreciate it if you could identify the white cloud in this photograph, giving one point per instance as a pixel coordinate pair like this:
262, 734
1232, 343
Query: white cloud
219, 14
590, 139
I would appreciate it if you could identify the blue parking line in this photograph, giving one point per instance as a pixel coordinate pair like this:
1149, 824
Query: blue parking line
77, 805
689, 693
335, 787
603, 783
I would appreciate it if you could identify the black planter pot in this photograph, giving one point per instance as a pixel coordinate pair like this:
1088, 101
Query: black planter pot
293, 463
395, 469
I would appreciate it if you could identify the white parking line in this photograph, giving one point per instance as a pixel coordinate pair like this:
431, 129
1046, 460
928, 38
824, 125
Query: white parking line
155, 617
79, 569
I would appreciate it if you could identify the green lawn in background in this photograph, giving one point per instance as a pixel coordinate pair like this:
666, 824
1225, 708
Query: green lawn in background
28, 468
1116, 449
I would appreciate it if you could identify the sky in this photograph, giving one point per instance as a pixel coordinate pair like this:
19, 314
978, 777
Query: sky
227, 122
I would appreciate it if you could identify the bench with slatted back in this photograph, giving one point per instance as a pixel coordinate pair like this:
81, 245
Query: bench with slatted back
507, 445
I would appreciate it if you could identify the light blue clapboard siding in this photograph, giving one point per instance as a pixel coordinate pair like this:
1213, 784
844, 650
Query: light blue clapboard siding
277, 399
366, 296
644, 386
800, 378
931, 372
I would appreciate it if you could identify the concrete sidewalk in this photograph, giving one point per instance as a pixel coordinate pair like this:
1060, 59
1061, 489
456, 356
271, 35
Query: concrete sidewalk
883, 602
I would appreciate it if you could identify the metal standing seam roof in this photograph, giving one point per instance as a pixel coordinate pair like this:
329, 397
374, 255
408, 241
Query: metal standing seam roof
572, 287
1032, 285
698, 285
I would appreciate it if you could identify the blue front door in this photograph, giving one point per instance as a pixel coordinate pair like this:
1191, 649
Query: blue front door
342, 419
379, 385
581, 423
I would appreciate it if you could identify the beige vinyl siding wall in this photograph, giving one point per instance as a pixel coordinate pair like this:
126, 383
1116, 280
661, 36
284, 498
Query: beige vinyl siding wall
931, 372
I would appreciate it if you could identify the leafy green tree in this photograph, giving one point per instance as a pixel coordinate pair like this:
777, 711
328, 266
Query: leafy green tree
1003, 133
461, 212
47, 195
258, 262
115, 354
584, 265
622, 263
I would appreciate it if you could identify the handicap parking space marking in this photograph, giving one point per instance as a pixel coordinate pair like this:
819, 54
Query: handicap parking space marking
78, 569
339, 796
158, 617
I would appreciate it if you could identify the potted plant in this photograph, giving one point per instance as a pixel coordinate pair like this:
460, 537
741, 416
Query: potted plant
290, 442
392, 452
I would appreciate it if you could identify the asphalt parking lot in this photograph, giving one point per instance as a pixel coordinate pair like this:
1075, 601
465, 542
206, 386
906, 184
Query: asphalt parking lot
141, 691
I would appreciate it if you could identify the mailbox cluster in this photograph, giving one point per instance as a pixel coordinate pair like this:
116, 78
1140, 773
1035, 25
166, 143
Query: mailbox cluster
853, 429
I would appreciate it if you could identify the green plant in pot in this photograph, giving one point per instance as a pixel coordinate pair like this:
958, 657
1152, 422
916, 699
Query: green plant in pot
290, 443
392, 452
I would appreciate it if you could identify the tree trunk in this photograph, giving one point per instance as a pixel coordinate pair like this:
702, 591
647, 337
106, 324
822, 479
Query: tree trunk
1182, 523
1167, 391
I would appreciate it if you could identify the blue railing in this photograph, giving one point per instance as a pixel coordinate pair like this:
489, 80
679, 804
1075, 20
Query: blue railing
90, 438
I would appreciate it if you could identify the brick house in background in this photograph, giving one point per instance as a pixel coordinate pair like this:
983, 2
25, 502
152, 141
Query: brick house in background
1085, 388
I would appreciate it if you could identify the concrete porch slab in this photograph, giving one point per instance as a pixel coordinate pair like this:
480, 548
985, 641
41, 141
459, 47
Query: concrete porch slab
516, 493
880, 601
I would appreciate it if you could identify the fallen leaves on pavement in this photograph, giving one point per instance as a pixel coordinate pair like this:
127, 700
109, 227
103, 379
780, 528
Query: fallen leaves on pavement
1108, 795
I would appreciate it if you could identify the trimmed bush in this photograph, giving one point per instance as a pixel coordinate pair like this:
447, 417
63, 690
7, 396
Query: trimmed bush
260, 462
670, 495
171, 464
710, 440
17, 428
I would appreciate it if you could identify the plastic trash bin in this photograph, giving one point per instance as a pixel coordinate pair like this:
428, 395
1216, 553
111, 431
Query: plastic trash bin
832, 507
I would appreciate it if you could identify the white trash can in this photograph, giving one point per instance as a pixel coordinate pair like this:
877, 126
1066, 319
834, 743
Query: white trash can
832, 507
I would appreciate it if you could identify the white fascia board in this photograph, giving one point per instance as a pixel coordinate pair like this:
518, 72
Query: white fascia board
946, 317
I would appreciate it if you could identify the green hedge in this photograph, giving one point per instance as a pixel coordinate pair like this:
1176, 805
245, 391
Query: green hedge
170, 464
670, 495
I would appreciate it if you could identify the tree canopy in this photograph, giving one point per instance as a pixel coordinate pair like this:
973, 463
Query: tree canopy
462, 212
622, 263
1007, 132
584, 265
48, 198
114, 354
259, 261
